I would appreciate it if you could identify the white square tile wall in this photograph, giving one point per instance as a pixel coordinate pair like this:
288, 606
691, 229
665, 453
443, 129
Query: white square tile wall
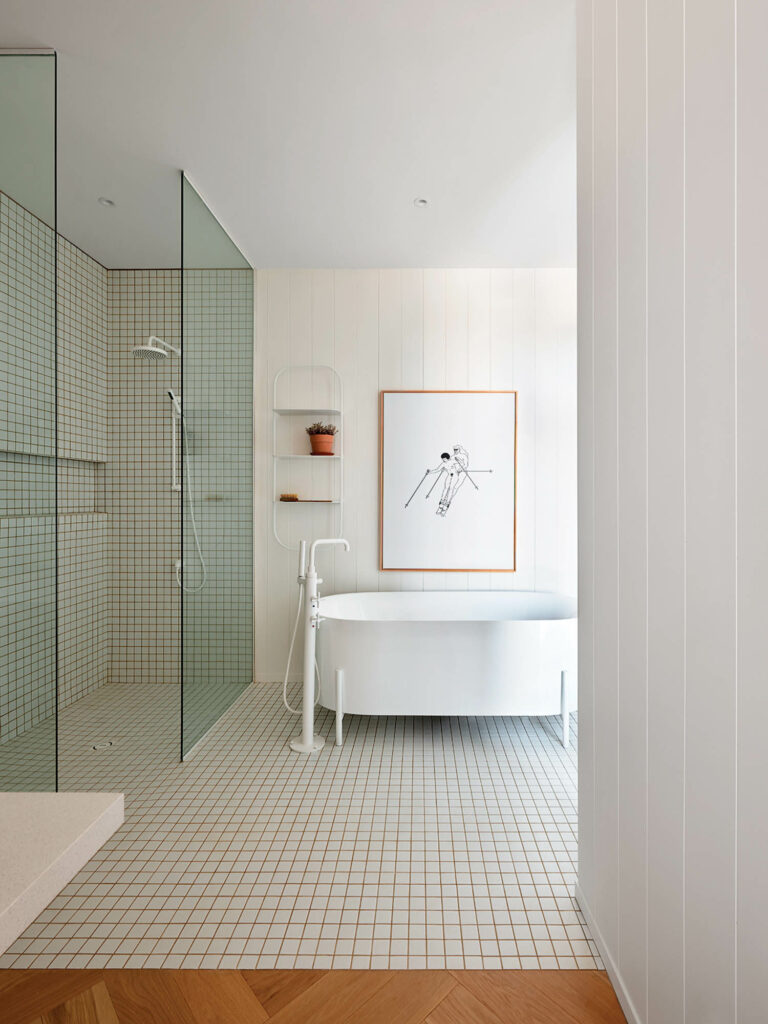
27, 471
142, 507
29, 476
82, 351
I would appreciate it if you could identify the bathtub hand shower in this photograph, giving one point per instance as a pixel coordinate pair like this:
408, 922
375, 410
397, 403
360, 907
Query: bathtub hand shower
300, 579
308, 580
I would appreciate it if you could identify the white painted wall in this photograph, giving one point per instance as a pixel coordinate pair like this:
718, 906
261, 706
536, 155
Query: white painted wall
438, 329
673, 503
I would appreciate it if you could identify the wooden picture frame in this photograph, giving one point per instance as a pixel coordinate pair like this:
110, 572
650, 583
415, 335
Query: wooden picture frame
433, 446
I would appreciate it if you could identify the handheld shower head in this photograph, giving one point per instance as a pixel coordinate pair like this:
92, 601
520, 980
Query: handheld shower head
176, 403
154, 350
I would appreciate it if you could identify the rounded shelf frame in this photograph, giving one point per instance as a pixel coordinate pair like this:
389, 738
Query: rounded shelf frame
279, 411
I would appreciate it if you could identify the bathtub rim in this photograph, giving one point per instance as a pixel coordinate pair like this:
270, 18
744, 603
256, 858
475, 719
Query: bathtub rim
569, 606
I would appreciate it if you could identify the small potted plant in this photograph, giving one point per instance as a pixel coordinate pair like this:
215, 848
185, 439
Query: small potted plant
321, 437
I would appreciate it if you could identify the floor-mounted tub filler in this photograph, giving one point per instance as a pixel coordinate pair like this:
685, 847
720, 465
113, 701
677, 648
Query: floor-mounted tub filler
309, 582
433, 653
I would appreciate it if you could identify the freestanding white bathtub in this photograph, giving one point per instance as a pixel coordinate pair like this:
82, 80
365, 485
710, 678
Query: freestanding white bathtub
448, 653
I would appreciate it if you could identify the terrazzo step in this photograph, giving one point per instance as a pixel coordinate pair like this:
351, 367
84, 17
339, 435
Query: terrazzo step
45, 839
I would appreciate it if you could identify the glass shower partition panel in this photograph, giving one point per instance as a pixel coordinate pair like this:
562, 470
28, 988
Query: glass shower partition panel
216, 469
28, 503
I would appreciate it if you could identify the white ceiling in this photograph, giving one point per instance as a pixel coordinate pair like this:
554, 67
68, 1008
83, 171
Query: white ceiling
311, 125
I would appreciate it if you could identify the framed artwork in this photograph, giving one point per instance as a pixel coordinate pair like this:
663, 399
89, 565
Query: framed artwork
448, 481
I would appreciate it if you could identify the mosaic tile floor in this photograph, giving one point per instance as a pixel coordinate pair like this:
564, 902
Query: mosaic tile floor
439, 842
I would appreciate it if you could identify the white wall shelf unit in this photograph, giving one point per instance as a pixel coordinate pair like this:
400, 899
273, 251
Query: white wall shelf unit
302, 386
307, 412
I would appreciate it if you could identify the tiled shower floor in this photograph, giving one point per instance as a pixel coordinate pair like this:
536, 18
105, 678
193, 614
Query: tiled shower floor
439, 842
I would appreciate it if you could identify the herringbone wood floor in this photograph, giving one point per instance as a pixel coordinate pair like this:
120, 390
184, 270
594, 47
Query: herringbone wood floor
307, 997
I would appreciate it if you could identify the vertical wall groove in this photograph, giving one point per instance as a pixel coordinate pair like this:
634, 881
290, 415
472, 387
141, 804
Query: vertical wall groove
752, 496
735, 501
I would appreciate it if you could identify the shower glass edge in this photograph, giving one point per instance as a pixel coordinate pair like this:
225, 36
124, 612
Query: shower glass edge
29, 513
216, 499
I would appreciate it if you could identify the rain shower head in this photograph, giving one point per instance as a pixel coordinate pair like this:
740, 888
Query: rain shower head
149, 352
154, 349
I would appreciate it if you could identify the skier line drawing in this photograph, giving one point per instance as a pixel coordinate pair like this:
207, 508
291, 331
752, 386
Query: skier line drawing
453, 470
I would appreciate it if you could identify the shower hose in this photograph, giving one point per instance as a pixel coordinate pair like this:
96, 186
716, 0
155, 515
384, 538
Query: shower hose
297, 711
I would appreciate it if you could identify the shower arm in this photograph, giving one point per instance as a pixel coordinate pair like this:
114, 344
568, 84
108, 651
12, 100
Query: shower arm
166, 344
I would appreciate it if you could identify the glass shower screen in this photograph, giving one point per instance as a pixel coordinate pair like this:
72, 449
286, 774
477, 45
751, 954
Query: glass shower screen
216, 439
28, 436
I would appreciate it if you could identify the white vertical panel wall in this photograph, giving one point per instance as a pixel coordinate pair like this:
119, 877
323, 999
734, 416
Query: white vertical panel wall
673, 503
431, 329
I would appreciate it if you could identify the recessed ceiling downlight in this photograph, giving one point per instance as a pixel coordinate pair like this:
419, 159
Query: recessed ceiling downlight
103, 201
420, 203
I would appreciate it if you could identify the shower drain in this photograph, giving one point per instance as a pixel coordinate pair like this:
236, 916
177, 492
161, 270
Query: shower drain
102, 746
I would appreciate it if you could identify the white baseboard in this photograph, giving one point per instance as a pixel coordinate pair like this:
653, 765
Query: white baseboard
630, 1012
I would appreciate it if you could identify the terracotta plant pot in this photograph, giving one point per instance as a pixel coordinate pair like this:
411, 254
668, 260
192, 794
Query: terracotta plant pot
322, 444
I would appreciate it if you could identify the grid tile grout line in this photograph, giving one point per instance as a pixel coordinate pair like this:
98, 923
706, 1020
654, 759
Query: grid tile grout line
439, 843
